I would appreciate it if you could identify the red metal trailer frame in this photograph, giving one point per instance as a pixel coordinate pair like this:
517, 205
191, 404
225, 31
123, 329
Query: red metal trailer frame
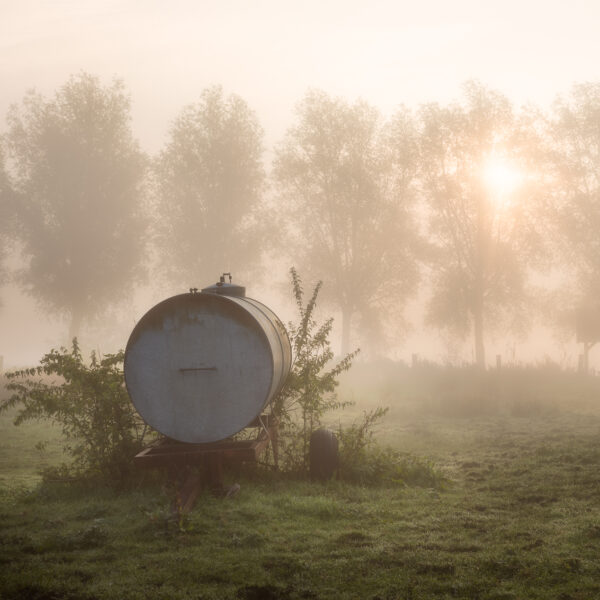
175, 456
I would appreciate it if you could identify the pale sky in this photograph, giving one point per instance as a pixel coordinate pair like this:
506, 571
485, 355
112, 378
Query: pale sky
271, 52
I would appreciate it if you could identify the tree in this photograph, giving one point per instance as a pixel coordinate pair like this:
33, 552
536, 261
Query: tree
481, 220
6, 213
79, 175
346, 189
209, 183
574, 148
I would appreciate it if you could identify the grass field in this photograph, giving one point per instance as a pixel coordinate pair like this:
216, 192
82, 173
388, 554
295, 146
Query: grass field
518, 518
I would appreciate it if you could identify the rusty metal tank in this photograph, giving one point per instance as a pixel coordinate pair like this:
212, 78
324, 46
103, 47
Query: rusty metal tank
199, 367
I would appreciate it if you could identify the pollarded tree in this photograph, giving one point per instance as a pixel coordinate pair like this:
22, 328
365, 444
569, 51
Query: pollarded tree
79, 174
7, 200
482, 221
345, 184
574, 148
209, 182
575, 143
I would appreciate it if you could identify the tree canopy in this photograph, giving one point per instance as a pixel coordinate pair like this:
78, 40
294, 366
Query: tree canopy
575, 146
6, 213
480, 218
79, 175
209, 182
345, 184
472, 198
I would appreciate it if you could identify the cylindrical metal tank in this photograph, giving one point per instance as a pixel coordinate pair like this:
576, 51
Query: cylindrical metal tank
199, 367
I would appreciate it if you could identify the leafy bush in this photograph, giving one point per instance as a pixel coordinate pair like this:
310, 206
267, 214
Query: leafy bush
364, 461
90, 404
385, 466
356, 439
309, 391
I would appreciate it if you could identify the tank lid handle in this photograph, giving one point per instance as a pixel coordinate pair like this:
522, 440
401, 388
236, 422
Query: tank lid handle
225, 289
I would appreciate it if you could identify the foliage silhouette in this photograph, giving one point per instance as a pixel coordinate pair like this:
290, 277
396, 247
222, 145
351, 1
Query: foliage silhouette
483, 244
79, 174
349, 185
90, 403
209, 181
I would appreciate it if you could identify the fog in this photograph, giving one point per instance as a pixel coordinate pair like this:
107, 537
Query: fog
271, 52
271, 55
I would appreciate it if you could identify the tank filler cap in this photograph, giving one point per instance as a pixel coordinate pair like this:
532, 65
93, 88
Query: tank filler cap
225, 289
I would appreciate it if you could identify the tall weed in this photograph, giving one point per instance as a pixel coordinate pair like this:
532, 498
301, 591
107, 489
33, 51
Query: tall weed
310, 389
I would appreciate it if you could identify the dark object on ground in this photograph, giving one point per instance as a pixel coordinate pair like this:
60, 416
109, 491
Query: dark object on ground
324, 455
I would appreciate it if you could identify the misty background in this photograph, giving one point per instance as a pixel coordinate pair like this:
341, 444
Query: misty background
437, 166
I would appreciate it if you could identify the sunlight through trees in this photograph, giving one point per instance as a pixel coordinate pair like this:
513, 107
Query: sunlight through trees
463, 206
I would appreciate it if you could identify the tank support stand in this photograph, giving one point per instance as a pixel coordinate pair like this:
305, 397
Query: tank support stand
179, 458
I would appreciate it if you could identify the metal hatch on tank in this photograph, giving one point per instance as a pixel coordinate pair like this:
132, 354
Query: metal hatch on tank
199, 367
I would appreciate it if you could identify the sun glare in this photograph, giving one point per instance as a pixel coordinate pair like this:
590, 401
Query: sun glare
501, 179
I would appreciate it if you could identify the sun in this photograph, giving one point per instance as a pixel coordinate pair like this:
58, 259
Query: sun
501, 179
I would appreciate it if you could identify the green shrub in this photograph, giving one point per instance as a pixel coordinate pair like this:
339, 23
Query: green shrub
364, 461
310, 389
90, 404
310, 392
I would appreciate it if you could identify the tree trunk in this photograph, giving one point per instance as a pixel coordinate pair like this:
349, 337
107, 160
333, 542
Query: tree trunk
478, 333
346, 319
481, 264
587, 346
